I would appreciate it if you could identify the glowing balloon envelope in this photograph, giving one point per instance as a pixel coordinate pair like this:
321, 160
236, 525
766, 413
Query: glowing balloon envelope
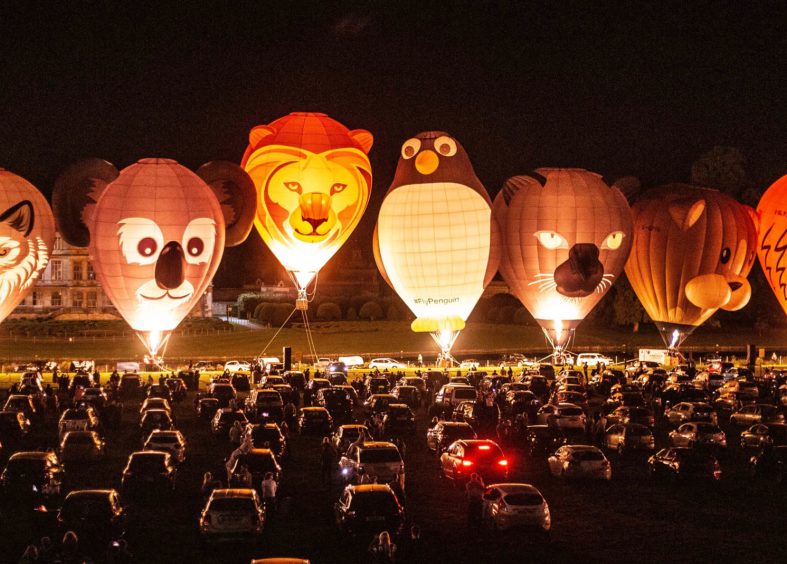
772, 212
566, 238
436, 242
155, 232
313, 180
27, 234
693, 249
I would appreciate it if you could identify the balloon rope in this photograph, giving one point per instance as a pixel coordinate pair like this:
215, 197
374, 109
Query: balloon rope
278, 331
309, 336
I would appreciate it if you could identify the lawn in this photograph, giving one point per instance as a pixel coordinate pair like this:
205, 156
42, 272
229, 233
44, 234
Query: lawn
379, 338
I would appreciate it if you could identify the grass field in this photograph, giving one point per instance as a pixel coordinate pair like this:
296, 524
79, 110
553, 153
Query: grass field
380, 338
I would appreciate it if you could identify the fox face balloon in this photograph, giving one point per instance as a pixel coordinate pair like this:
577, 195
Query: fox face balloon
566, 238
772, 212
27, 233
313, 180
693, 249
155, 231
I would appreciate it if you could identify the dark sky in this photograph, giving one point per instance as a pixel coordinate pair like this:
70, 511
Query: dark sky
640, 90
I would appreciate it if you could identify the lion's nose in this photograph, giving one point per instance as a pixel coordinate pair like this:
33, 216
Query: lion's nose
315, 208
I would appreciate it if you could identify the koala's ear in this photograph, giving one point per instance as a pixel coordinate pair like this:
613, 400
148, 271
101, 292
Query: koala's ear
686, 211
74, 197
237, 196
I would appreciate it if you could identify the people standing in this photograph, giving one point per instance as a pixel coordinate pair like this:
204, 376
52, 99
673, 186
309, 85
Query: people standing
382, 549
474, 492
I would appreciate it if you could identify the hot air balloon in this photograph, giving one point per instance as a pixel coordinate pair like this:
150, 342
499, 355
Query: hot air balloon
693, 249
566, 238
155, 233
772, 212
436, 243
313, 180
27, 234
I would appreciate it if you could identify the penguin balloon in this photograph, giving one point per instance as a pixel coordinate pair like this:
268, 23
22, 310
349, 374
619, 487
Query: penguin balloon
436, 242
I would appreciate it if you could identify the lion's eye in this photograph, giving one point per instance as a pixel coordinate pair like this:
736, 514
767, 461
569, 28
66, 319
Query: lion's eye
410, 148
551, 240
445, 146
3, 252
338, 187
293, 187
613, 241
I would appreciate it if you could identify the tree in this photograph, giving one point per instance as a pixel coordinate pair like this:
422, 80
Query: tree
371, 311
626, 306
329, 311
351, 315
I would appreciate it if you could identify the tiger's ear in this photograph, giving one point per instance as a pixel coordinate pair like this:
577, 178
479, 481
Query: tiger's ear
686, 212
74, 197
20, 216
237, 196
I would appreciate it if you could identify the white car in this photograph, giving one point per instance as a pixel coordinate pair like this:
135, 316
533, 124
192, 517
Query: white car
469, 364
593, 359
322, 363
378, 459
515, 505
580, 461
232, 514
172, 442
563, 415
389, 363
234, 366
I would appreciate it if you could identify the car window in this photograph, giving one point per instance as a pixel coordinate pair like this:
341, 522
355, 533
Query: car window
492, 494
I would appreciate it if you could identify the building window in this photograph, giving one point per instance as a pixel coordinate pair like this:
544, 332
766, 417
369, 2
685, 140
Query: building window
77, 271
57, 270
77, 299
57, 299
34, 298
91, 299
59, 246
91, 275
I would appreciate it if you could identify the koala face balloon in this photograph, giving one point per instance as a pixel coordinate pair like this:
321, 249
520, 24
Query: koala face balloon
155, 231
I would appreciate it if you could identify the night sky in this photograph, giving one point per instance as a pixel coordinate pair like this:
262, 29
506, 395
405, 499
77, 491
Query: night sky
640, 91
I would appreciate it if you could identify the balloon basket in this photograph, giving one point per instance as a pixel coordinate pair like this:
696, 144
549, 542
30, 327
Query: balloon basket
155, 342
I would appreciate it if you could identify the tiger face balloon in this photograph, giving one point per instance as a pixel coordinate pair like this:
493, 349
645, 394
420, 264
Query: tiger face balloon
27, 233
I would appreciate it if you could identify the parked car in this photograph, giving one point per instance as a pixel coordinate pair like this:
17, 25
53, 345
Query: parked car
770, 463
155, 419
23, 404
377, 386
81, 446
692, 434
764, 434
265, 404
224, 392
386, 364
155, 403
96, 516
367, 509
130, 386
444, 433
232, 515
380, 459
236, 366
626, 415
207, 407
467, 456
226, 418
483, 418
259, 462
14, 427
580, 461
564, 415
408, 395
684, 463
633, 436
756, 413
543, 440
398, 420
33, 474
510, 505
148, 472
267, 435
315, 420
337, 402
593, 359
685, 412
451, 394
378, 403
81, 419
172, 442
345, 435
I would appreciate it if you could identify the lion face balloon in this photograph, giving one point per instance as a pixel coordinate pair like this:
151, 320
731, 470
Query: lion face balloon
27, 233
155, 231
693, 249
567, 236
313, 180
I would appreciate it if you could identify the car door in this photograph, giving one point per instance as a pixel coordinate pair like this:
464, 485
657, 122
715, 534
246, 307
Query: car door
614, 436
680, 437
489, 505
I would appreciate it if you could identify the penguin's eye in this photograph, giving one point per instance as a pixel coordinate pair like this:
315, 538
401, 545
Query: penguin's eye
613, 241
551, 240
410, 148
445, 146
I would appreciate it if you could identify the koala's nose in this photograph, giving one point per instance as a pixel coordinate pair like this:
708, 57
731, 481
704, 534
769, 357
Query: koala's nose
170, 266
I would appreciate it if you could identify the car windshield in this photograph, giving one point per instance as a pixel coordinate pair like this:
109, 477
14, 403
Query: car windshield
587, 455
72, 439
464, 393
570, 411
147, 463
240, 504
81, 508
708, 428
351, 433
379, 502
263, 434
703, 409
257, 463
72, 414
638, 430
228, 416
523, 498
314, 414
459, 432
26, 466
380, 455
163, 439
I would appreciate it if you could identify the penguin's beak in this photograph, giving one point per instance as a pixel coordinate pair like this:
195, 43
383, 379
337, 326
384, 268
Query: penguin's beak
427, 162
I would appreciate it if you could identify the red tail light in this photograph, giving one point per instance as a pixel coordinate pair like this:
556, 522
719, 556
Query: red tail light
503, 462
467, 463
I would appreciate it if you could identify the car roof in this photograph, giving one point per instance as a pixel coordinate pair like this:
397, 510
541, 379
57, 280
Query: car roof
352, 426
455, 423
90, 493
30, 455
475, 442
366, 488
581, 447
232, 493
148, 454
314, 408
512, 487
376, 444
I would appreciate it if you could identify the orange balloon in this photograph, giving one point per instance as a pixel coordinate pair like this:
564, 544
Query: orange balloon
155, 232
566, 238
313, 180
27, 234
693, 249
772, 212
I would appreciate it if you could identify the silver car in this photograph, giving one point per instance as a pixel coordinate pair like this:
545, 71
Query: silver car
756, 413
231, 515
506, 506
580, 461
687, 411
691, 434
633, 436
172, 442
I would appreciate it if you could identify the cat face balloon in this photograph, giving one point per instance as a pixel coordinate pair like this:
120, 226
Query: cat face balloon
27, 234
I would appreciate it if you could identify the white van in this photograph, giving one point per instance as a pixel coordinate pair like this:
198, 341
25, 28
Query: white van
452, 394
351, 361
593, 359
